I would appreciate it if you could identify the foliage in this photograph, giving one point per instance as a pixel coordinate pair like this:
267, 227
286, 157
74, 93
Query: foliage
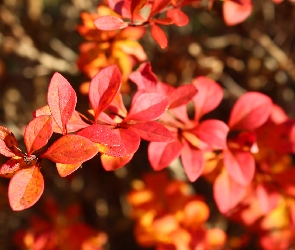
246, 159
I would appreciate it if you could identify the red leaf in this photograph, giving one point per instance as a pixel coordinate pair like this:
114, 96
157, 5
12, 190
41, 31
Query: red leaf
71, 149
8, 142
10, 167
152, 131
61, 100
25, 188
147, 106
178, 16
182, 95
227, 193
240, 165
158, 5
113, 142
250, 111
161, 154
268, 197
37, 133
144, 78
109, 23
121, 7
164, 21
111, 163
159, 36
74, 124
66, 169
103, 88
192, 161
213, 132
136, 6
235, 12
208, 97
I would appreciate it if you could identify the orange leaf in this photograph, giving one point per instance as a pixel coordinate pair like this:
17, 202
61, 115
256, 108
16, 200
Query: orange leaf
159, 36
7, 142
9, 168
71, 149
25, 188
37, 133
62, 99
66, 169
111, 163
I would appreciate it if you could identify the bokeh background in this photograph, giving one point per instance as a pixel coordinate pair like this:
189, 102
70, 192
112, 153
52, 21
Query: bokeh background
39, 37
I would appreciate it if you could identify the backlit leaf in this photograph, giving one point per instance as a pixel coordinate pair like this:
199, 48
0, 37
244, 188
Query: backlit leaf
10, 167
8, 142
25, 188
136, 6
192, 161
268, 197
159, 36
113, 142
213, 132
161, 154
37, 133
71, 149
158, 5
227, 193
144, 78
152, 131
147, 106
62, 99
103, 88
240, 165
250, 111
235, 12
111, 163
66, 169
209, 96
182, 95
178, 16
110, 23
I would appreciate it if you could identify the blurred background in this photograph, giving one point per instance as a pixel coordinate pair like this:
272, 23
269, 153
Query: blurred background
40, 37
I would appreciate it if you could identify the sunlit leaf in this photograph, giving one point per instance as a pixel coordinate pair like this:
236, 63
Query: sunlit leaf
213, 132
110, 23
178, 16
62, 99
71, 149
158, 5
144, 78
182, 95
113, 142
37, 133
152, 131
209, 96
103, 88
268, 196
235, 12
161, 154
136, 6
10, 167
147, 107
193, 162
111, 163
25, 188
66, 169
159, 36
240, 165
250, 111
227, 193
8, 142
